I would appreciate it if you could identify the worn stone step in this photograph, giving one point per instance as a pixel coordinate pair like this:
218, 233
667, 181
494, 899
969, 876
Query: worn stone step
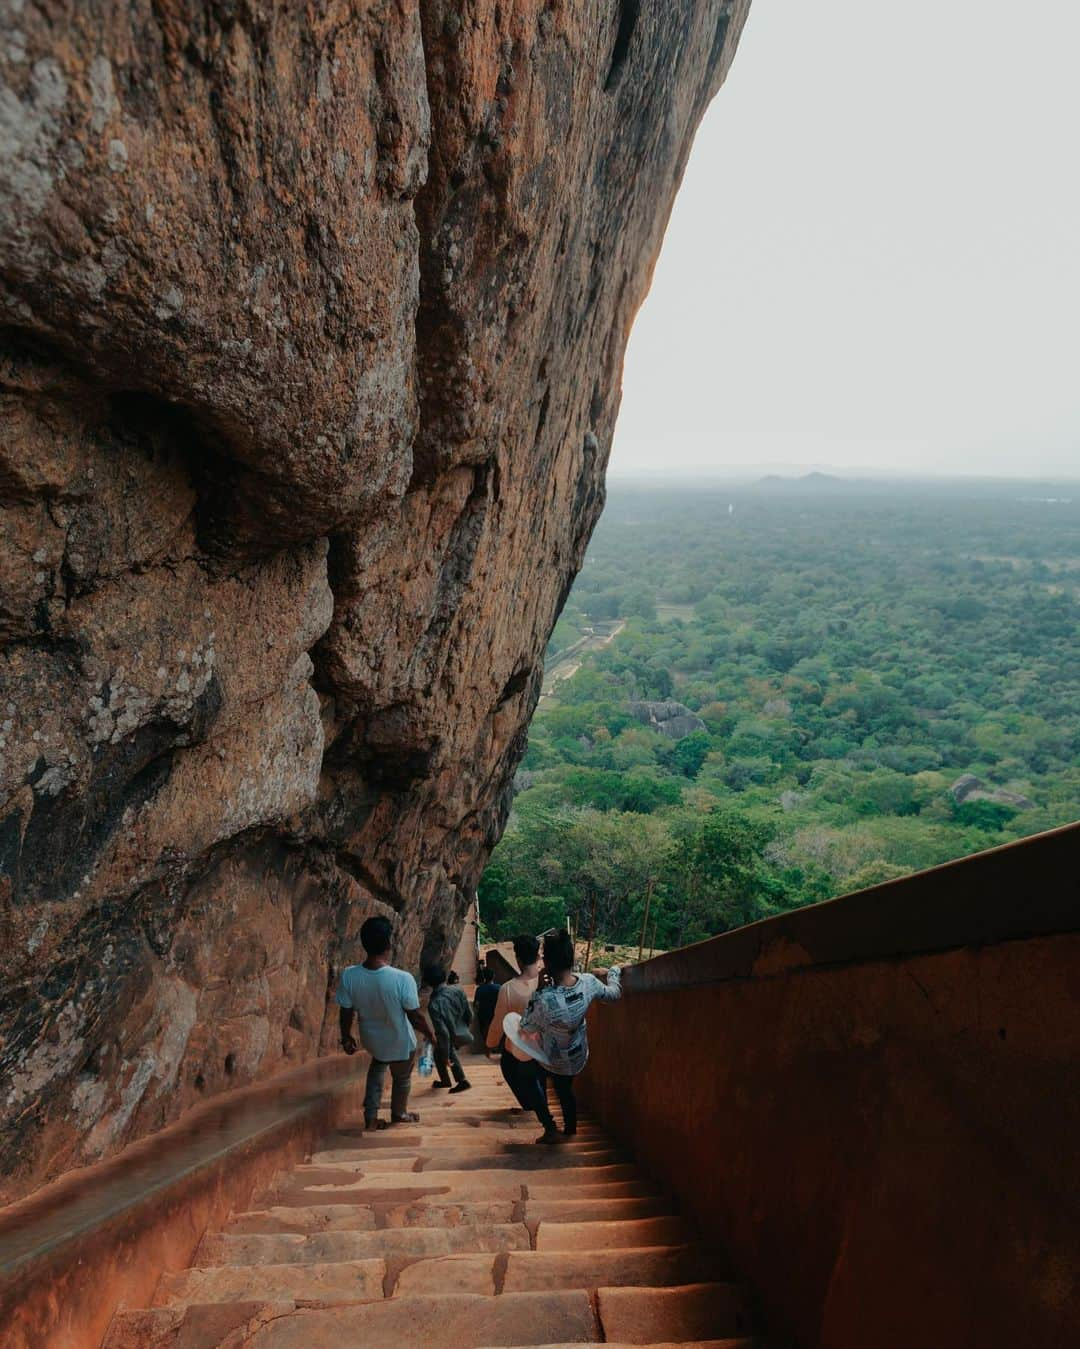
451, 1135
363, 1280
456, 1321
390, 1196
653, 1266
441, 1211
404, 1192
446, 1135
367, 1217
528, 1158
700, 1311
590, 1209
599, 1236
336, 1247
536, 1271
465, 1144
321, 1186
447, 1274
394, 1189
463, 1111
347, 1281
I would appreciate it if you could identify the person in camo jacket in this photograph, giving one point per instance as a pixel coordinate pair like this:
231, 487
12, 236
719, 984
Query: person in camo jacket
448, 1009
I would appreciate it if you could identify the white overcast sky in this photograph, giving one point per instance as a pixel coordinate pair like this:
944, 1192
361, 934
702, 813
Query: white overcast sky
875, 256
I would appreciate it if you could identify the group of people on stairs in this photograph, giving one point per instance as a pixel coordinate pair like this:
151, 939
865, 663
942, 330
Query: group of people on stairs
550, 1043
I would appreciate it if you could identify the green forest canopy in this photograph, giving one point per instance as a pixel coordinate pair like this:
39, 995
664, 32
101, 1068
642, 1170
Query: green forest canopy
850, 650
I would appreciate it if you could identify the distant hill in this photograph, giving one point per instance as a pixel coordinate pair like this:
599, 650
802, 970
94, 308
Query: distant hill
813, 479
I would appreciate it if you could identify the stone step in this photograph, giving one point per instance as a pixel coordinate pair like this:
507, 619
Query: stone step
514, 1131
527, 1158
408, 1189
491, 1118
364, 1280
505, 1119
456, 1135
453, 1321
366, 1218
535, 1271
590, 1209
347, 1281
336, 1247
700, 1311
391, 1188
466, 1143
320, 1185
651, 1266
442, 1212
600, 1236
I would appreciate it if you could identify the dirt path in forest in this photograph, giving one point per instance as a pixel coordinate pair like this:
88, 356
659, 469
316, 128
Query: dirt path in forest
570, 661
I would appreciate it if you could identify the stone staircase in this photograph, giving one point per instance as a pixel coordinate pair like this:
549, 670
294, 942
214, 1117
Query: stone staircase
458, 1232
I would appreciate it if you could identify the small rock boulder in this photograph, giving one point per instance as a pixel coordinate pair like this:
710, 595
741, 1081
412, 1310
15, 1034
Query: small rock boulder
972, 788
671, 719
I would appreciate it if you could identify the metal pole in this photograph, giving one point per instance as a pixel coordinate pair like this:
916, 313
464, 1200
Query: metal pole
645, 919
592, 933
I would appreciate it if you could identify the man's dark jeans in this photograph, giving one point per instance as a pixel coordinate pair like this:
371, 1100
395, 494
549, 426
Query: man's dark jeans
401, 1075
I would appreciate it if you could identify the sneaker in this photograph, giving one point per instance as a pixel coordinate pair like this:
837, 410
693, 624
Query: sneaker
461, 1086
550, 1137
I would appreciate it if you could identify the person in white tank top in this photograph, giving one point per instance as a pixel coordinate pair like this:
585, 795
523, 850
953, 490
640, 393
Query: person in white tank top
514, 996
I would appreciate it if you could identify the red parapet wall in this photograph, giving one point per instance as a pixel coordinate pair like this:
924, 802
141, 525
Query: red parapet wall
872, 1106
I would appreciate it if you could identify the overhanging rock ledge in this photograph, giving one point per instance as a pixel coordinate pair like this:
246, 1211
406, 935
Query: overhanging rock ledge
312, 321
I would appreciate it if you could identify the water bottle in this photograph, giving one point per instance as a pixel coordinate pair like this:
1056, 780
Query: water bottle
426, 1065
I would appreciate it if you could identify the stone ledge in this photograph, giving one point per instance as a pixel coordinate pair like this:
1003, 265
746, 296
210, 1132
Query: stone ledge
99, 1237
1024, 889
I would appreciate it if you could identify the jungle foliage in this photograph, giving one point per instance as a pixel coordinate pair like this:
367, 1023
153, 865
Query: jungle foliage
852, 649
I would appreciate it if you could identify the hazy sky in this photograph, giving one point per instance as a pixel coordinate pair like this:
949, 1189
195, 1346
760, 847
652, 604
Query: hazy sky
875, 256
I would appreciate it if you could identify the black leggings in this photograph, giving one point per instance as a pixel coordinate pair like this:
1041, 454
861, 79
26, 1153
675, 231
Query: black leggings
512, 1070
533, 1081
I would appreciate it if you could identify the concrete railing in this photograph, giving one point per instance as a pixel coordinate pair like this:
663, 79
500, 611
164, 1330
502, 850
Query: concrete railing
872, 1106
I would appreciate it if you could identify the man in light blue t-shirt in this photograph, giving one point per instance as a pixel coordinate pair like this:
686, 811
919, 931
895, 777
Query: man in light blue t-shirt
385, 1002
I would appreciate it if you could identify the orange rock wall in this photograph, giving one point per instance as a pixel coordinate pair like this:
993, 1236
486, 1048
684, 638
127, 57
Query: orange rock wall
312, 321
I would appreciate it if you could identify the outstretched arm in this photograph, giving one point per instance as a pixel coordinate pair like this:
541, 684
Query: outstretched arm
612, 990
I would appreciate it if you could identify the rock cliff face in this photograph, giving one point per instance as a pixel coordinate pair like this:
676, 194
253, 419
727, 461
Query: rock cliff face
311, 326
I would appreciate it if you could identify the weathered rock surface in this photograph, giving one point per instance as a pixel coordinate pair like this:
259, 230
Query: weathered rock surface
969, 787
311, 328
669, 718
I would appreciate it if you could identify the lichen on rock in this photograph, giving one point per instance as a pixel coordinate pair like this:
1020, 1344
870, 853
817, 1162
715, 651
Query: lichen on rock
312, 321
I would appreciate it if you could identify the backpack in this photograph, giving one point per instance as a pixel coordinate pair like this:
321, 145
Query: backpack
461, 1022
455, 1015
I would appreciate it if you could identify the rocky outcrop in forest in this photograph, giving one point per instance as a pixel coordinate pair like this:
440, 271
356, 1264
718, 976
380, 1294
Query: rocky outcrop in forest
311, 327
